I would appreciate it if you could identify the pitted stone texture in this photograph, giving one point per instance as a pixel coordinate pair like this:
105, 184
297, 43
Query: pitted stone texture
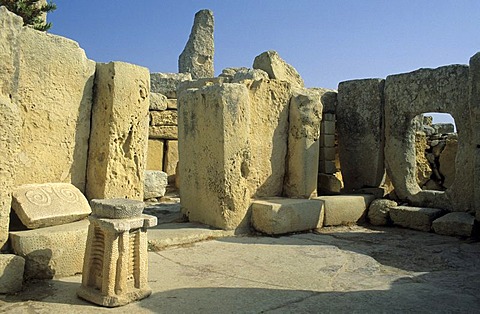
277, 68
11, 273
49, 204
116, 208
155, 184
447, 161
454, 224
443, 128
167, 117
249, 74
201, 82
171, 157
418, 218
118, 144
53, 251
379, 211
360, 133
407, 95
197, 56
166, 132
54, 99
284, 215
10, 126
474, 95
166, 83
215, 161
329, 100
345, 209
158, 102
303, 144
155, 154
328, 184
424, 171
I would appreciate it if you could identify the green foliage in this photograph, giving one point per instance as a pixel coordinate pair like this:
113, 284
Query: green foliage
30, 11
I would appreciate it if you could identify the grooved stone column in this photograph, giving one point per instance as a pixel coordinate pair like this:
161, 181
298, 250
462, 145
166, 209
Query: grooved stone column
360, 115
474, 81
118, 142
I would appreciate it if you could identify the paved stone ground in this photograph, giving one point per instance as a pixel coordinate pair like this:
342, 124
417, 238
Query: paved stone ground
344, 269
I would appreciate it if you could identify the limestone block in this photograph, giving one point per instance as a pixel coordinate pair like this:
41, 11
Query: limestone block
418, 218
284, 215
155, 154
329, 100
117, 208
474, 99
215, 161
11, 273
167, 117
166, 83
443, 128
10, 126
171, 157
328, 127
328, 184
303, 145
118, 144
167, 132
277, 68
158, 102
229, 73
378, 211
407, 95
249, 74
447, 161
171, 104
327, 140
424, 171
327, 153
53, 251
345, 209
329, 117
155, 184
201, 82
327, 166
360, 132
197, 56
454, 224
54, 99
49, 204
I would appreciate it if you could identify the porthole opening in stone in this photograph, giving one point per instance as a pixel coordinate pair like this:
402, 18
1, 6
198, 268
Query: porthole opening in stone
436, 143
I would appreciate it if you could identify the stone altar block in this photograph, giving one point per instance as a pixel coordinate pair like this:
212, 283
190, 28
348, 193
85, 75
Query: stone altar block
116, 262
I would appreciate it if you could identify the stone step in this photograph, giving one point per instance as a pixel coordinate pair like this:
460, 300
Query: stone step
417, 218
345, 209
454, 224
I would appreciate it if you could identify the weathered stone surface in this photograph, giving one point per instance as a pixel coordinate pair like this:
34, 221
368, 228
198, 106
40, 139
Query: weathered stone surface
116, 208
49, 204
11, 273
454, 224
171, 104
197, 56
407, 95
155, 154
328, 184
167, 117
249, 74
171, 157
424, 171
54, 99
360, 133
378, 211
166, 132
345, 209
303, 145
53, 251
447, 161
214, 188
166, 83
443, 128
155, 184
474, 98
158, 102
229, 73
277, 68
284, 215
201, 82
10, 126
118, 144
418, 218
329, 101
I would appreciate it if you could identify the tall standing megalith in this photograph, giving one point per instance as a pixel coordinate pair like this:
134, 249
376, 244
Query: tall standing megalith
197, 56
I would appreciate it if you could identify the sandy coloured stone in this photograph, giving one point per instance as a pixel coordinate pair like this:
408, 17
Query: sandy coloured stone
345, 209
447, 161
11, 273
201, 82
474, 98
166, 83
328, 184
378, 211
454, 224
424, 171
158, 102
171, 157
155, 184
49, 204
155, 154
171, 104
197, 56
167, 117
283, 215
249, 74
116, 208
277, 68
118, 143
418, 218
166, 132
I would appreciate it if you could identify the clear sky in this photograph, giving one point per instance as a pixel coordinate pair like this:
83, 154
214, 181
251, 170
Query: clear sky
327, 41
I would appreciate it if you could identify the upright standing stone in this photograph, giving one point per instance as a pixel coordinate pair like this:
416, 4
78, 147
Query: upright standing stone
303, 145
360, 133
277, 68
197, 56
474, 98
214, 151
118, 144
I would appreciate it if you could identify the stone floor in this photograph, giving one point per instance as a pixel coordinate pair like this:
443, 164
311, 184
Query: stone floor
341, 269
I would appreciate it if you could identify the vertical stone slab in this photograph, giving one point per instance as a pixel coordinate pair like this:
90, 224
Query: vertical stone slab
171, 157
474, 95
303, 145
361, 133
214, 151
118, 143
197, 56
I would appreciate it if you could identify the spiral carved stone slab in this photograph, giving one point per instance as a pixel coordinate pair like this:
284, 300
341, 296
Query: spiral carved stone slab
49, 204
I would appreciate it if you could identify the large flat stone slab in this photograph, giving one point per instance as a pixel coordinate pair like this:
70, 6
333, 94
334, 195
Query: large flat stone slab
454, 224
284, 215
49, 204
418, 218
53, 251
345, 209
11, 273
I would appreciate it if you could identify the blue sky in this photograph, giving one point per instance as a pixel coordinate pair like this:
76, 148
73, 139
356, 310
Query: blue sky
326, 41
